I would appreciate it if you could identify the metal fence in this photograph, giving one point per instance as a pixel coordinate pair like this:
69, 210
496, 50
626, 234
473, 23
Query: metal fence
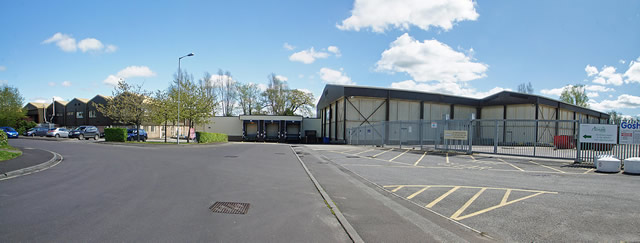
534, 138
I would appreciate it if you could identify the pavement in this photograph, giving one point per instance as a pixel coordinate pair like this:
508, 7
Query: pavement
163, 193
511, 199
30, 157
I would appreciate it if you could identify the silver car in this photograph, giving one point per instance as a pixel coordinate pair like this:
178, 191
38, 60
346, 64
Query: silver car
59, 132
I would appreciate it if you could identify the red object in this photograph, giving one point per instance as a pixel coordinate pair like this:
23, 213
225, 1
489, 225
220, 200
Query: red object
563, 142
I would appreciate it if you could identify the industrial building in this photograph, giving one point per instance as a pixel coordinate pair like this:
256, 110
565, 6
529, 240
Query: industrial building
341, 107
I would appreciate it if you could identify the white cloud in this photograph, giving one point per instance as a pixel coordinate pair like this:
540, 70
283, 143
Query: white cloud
66, 83
90, 44
262, 87
129, 72
622, 61
65, 42
110, 48
51, 84
622, 102
68, 44
282, 78
37, 100
307, 56
3, 68
288, 46
335, 50
429, 60
444, 87
633, 73
331, 76
58, 98
380, 15
591, 70
593, 88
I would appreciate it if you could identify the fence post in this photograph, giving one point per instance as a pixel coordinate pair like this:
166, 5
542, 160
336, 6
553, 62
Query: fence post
495, 138
470, 132
421, 129
535, 142
578, 143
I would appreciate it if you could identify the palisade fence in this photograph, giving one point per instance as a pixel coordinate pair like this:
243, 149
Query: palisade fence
533, 138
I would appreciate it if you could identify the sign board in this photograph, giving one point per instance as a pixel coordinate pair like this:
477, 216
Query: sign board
598, 133
455, 134
434, 125
629, 132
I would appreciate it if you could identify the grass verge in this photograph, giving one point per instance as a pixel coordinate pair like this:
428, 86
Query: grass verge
6, 155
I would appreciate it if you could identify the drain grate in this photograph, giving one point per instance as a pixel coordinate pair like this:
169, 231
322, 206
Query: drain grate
230, 156
229, 207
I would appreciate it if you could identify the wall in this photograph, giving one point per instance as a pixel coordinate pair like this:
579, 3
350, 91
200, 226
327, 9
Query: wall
435, 111
463, 112
231, 126
311, 124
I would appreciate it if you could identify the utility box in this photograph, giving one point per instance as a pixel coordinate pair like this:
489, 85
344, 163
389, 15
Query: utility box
607, 163
310, 136
632, 165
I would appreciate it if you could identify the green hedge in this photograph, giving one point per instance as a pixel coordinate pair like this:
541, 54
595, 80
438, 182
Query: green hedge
207, 137
115, 134
3, 139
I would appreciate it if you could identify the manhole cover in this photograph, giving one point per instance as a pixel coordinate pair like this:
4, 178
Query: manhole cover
229, 207
230, 156
352, 157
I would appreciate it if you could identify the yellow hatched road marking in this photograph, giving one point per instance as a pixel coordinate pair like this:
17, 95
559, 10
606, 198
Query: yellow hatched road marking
442, 197
399, 187
506, 196
467, 204
420, 159
548, 167
364, 151
476, 187
496, 206
447, 158
589, 170
418, 192
399, 155
472, 158
510, 164
381, 153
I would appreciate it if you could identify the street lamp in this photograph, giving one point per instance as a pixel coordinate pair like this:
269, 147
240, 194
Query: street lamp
179, 93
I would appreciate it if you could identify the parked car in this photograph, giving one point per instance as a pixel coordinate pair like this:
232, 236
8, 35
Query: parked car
11, 133
131, 135
30, 132
85, 132
59, 132
39, 131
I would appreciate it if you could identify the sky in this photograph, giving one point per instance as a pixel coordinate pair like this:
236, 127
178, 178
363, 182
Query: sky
67, 49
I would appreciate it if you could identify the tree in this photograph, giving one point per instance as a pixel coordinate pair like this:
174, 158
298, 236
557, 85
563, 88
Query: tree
525, 88
575, 95
227, 92
163, 109
298, 100
11, 106
248, 98
276, 95
130, 105
196, 104
209, 88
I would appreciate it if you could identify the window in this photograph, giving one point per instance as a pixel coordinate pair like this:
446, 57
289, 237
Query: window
153, 128
79, 114
70, 113
92, 114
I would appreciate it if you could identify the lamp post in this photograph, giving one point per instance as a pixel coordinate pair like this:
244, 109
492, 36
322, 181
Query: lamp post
179, 93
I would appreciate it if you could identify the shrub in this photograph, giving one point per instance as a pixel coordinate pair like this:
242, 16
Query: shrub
207, 137
115, 134
3, 139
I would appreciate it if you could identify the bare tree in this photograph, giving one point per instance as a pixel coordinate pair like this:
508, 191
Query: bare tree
226, 91
276, 95
525, 88
248, 97
209, 88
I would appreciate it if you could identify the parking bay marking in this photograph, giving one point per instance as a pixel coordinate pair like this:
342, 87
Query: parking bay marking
458, 214
548, 167
420, 159
399, 155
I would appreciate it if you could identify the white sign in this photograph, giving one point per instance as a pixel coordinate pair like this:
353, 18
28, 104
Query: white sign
434, 125
629, 133
598, 133
455, 134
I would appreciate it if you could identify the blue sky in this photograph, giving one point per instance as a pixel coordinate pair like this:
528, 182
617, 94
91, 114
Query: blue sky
73, 49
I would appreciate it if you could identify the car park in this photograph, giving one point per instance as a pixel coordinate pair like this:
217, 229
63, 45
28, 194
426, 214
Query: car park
132, 134
59, 132
85, 132
11, 133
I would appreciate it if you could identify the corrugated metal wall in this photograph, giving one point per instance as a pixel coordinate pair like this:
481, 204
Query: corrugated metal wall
435, 111
461, 112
